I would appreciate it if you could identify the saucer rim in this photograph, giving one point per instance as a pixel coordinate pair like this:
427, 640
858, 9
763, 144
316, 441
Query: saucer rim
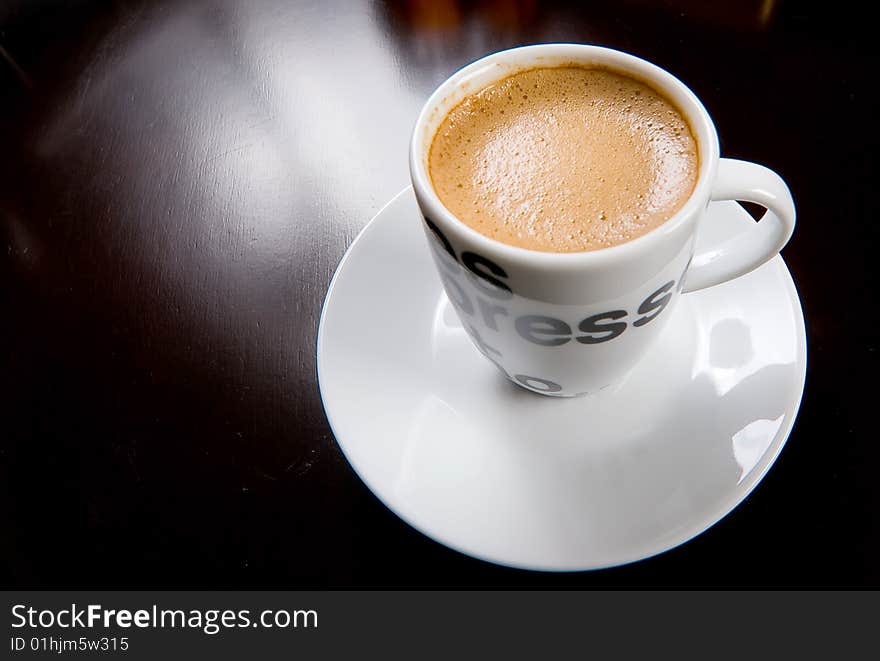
742, 491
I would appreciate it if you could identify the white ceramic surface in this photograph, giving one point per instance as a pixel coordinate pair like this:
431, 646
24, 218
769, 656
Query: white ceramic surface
566, 324
491, 470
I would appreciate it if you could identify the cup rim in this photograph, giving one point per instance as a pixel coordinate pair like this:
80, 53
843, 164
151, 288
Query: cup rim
685, 100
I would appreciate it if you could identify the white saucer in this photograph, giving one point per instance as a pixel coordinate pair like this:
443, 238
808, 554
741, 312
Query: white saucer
478, 464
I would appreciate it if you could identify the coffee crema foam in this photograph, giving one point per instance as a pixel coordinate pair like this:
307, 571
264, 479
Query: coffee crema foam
564, 159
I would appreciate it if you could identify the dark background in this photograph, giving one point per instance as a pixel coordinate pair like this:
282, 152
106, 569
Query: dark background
178, 181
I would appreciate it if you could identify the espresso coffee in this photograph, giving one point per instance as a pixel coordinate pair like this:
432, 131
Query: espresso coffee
564, 159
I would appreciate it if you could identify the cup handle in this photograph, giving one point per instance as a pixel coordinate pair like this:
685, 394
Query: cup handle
741, 180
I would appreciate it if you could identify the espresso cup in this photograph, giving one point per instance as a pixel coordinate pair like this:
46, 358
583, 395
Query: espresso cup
567, 324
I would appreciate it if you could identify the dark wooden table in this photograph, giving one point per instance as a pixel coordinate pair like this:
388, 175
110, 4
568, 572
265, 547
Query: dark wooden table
178, 183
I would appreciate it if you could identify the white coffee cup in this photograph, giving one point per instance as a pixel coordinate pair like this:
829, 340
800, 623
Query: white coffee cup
568, 324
